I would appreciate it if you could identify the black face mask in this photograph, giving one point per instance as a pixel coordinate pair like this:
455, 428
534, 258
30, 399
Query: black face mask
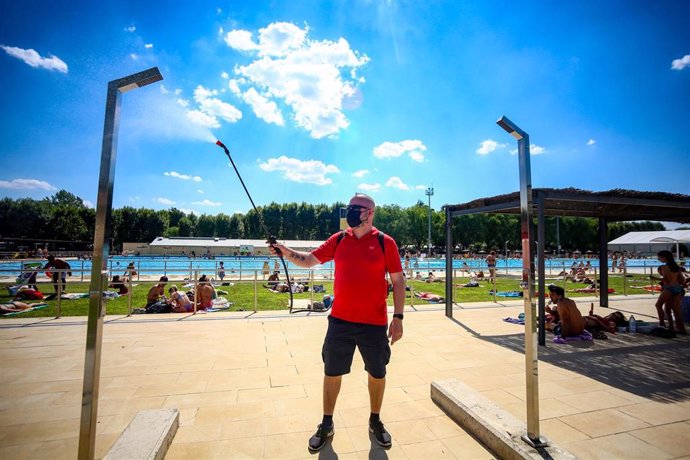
353, 216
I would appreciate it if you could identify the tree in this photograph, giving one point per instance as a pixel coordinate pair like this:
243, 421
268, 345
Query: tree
222, 225
205, 226
65, 198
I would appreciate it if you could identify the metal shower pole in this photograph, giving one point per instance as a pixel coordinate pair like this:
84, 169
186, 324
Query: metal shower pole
527, 235
101, 249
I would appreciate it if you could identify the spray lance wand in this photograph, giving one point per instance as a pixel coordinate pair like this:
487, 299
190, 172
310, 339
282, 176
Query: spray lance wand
271, 239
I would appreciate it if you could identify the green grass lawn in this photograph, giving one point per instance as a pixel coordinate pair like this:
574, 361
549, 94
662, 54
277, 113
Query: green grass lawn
242, 295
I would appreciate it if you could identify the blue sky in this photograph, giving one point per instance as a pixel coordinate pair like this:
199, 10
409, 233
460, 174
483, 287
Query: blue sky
317, 100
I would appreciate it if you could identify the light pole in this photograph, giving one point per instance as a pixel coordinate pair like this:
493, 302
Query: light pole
531, 359
101, 249
506, 245
429, 192
558, 236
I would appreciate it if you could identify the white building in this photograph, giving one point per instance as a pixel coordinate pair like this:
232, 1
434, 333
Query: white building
212, 246
649, 243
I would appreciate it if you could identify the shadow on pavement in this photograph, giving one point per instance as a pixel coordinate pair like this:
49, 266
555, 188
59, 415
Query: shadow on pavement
644, 365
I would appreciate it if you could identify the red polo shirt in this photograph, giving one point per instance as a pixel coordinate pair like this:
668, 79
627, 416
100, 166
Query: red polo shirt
360, 285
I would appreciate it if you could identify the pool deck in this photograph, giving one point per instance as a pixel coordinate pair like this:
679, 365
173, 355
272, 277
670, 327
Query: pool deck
249, 385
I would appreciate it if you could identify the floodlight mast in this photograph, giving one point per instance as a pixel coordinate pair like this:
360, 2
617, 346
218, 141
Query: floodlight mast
532, 436
101, 249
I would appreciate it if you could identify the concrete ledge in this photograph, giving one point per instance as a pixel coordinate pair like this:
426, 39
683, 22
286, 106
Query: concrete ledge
147, 437
497, 429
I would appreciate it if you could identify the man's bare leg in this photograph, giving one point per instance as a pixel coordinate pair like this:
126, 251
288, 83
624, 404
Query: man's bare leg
376, 390
331, 389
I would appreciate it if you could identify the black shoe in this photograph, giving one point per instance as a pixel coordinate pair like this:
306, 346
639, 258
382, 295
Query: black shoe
380, 433
319, 439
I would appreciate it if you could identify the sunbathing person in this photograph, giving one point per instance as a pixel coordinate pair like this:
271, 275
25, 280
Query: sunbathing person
430, 296
156, 302
273, 279
16, 306
204, 294
118, 284
567, 320
179, 301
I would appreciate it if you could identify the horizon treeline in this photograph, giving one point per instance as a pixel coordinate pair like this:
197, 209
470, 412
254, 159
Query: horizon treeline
64, 216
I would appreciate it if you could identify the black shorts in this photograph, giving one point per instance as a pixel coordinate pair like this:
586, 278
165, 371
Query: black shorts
339, 347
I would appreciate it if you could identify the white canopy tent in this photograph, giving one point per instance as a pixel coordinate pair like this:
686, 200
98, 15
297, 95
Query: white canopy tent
650, 241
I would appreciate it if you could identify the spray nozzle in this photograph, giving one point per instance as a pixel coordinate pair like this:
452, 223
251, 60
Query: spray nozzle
220, 144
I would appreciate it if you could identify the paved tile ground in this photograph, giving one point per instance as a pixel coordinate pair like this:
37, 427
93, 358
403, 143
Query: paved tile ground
250, 387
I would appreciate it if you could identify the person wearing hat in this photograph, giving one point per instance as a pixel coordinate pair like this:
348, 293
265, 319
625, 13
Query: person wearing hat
567, 320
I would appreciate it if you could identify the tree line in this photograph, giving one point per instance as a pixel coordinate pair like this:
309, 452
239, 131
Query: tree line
64, 216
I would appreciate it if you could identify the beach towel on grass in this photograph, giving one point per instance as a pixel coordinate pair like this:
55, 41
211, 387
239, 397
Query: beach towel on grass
74, 295
584, 337
514, 320
35, 307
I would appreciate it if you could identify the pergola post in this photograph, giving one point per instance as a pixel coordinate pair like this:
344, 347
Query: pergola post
541, 269
603, 263
449, 263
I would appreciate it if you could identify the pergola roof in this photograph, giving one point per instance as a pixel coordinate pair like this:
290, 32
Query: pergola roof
615, 205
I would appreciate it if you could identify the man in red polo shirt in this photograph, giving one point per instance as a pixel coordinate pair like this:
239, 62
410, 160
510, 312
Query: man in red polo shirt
359, 315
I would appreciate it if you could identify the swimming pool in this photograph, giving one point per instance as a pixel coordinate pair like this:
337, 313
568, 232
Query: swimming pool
152, 265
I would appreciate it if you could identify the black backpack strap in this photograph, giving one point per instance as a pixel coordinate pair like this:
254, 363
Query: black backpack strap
381, 237
340, 238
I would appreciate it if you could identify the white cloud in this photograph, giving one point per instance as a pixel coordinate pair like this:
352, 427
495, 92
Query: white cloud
263, 108
535, 149
182, 176
177, 91
369, 187
148, 45
88, 204
130, 29
163, 89
164, 201
32, 58
207, 202
224, 75
311, 77
26, 184
182, 102
414, 148
134, 56
240, 40
591, 142
211, 108
200, 191
308, 172
489, 146
420, 187
680, 64
134, 199
396, 182
361, 173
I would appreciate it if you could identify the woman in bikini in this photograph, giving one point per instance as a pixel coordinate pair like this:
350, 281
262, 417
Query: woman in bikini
179, 300
672, 283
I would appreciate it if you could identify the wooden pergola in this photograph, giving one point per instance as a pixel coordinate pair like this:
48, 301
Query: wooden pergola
609, 206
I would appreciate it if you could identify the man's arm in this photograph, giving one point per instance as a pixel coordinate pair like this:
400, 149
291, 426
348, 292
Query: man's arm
299, 258
395, 331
